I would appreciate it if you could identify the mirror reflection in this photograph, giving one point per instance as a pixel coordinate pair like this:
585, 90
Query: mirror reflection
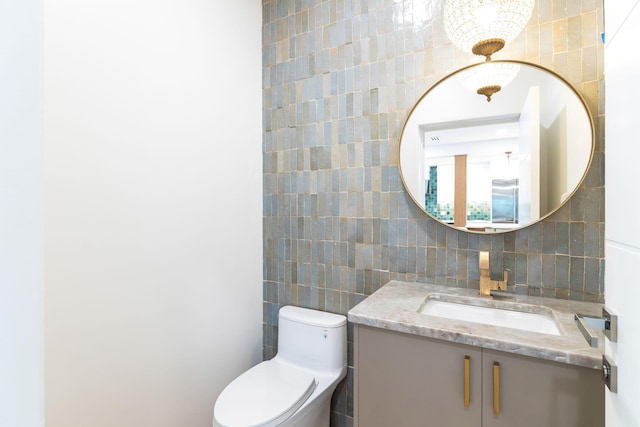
500, 164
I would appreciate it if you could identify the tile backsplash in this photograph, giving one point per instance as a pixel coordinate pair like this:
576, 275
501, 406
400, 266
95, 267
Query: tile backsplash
339, 79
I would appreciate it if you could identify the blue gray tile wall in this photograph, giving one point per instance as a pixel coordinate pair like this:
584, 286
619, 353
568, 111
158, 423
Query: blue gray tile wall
339, 78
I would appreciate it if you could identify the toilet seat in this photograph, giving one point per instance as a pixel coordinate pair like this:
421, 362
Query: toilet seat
264, 396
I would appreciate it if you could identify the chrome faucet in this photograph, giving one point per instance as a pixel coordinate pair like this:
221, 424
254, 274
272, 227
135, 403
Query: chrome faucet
486, 284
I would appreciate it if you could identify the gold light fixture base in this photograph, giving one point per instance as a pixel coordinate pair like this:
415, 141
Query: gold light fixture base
487, 47
488, 91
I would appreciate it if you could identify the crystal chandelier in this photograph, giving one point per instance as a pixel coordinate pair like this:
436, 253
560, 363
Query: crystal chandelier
489, 77
484, 26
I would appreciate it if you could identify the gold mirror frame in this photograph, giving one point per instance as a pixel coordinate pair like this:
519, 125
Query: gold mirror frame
503, 93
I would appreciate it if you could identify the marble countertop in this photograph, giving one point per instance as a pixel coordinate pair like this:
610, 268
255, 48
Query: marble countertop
396, 307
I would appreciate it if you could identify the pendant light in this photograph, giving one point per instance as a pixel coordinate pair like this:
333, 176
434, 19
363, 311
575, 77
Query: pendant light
489, 77
485, 26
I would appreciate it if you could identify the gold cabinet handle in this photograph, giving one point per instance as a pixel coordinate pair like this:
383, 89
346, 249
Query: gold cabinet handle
467, 374
496, 388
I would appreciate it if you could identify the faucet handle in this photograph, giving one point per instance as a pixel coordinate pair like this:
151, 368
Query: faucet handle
502, 284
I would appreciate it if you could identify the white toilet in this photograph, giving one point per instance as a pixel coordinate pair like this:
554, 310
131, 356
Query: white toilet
294, 388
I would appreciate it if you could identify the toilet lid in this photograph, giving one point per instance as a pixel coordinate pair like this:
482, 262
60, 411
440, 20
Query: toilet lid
265, 395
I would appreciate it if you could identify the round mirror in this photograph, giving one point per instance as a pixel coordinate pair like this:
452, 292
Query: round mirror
496, 146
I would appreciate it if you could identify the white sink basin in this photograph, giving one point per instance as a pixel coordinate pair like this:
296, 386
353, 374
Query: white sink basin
506, 317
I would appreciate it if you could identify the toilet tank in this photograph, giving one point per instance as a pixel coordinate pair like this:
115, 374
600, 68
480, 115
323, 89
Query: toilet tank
312, 339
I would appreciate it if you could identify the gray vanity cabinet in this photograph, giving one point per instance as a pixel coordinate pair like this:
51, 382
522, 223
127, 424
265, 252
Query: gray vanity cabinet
535, 392
405, 380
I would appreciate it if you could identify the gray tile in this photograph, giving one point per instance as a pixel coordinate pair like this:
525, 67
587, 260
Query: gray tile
452, 263
576, 274
462, 264
562, 238
592, 242
535, 238
576, 239
534, 270
522, 240
592, 275
473, 266
549, 237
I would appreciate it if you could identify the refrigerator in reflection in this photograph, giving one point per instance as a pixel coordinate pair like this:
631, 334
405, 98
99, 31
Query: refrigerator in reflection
504, 201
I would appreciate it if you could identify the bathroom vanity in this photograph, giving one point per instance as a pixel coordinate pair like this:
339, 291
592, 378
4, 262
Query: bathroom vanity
417, 367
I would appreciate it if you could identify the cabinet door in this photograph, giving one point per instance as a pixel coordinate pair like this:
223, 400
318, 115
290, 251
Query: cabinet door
535, 393
404, 380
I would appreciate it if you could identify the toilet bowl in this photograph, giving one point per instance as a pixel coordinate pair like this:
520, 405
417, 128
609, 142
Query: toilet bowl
294, 388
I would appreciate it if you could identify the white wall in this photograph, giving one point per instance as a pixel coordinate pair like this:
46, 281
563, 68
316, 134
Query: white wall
152, 208
20, 214
622, 235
